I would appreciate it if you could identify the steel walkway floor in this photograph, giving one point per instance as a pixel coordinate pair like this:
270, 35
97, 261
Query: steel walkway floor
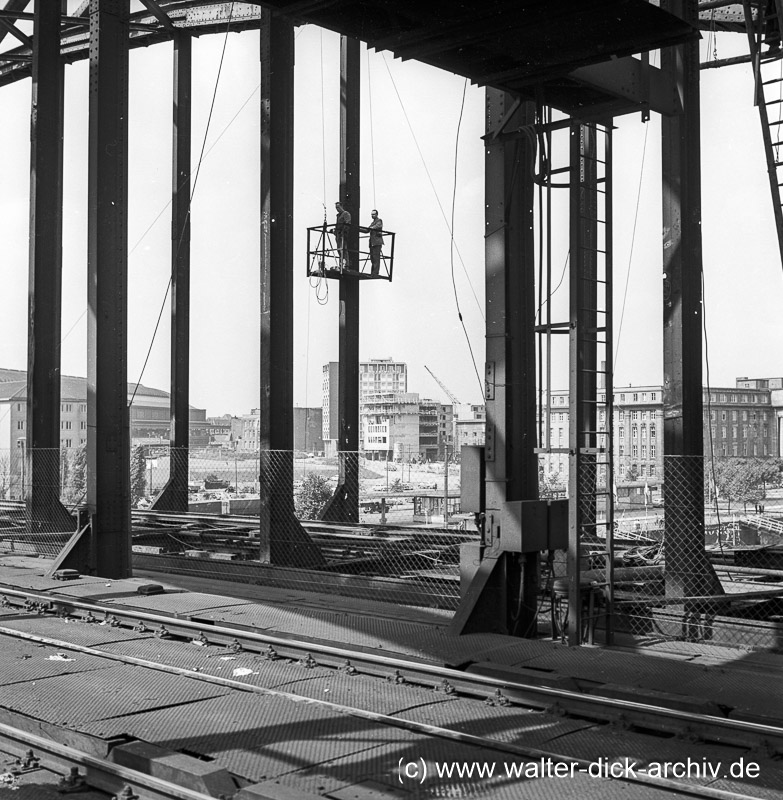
319, 751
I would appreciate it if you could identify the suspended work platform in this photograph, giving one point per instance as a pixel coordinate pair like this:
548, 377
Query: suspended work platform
327, 259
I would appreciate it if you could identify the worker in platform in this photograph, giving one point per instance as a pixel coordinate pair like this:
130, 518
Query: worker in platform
341, 229
376, 242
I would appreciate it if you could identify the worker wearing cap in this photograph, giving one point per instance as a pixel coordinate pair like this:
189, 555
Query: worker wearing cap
376, 242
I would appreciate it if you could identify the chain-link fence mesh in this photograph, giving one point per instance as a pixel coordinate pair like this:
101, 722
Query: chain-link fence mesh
38, 493
682, 570
702, 573
386, 530
390, 531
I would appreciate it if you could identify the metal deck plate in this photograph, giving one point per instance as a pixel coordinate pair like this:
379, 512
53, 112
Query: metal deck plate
515, 652
738, 689
365, 692
22, 661
215, 661
97, 590
36, 582
769, 784
605, 666
82, 633
179, 604
608, 742
461, 649
81, 698
374, 774
256, 736
504, 723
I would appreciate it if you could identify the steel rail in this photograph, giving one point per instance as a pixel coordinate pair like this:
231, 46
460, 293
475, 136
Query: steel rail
475, 684
421, 728
103, 775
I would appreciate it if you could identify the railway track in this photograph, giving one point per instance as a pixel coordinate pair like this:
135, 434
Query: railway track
636, 716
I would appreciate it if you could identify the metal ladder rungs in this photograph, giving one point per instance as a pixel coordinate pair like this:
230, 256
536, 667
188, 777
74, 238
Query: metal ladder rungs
596, 250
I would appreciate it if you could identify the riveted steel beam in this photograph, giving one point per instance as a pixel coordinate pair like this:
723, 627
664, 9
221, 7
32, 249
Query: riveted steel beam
174, 496
108, 430
688, 571
44, 511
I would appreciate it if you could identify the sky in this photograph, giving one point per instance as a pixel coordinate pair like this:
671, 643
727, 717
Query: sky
415, 134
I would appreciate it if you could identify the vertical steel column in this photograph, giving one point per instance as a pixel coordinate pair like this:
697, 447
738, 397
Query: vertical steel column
517, 391
503, 595
688, 571
282, 540
350, 74
44, 511
108, 433
582, 361
174, 496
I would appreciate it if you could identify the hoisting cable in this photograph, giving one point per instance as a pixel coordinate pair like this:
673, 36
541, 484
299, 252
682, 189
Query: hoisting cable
166, 206
432, 185
630, 254
317, 281
372, 138
451, 248
190, 202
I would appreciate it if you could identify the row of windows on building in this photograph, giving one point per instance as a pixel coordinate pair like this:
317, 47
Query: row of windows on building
636, 450
635, 415
743, 450
65, 425
636, 430
753, 429
69, 442
642, 470
739, 398
65, 408
763, 416
624, 397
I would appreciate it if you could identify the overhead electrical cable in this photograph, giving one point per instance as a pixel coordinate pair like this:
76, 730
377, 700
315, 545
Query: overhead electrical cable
451, 229
190, 202
432, 184
372, 137
630, 254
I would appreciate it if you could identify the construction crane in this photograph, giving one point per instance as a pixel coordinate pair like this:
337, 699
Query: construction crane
445, 389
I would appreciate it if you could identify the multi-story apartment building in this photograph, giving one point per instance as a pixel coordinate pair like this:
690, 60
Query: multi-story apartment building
382, 376
744, 421
404, 427
390, 426
638, 433
376, 376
